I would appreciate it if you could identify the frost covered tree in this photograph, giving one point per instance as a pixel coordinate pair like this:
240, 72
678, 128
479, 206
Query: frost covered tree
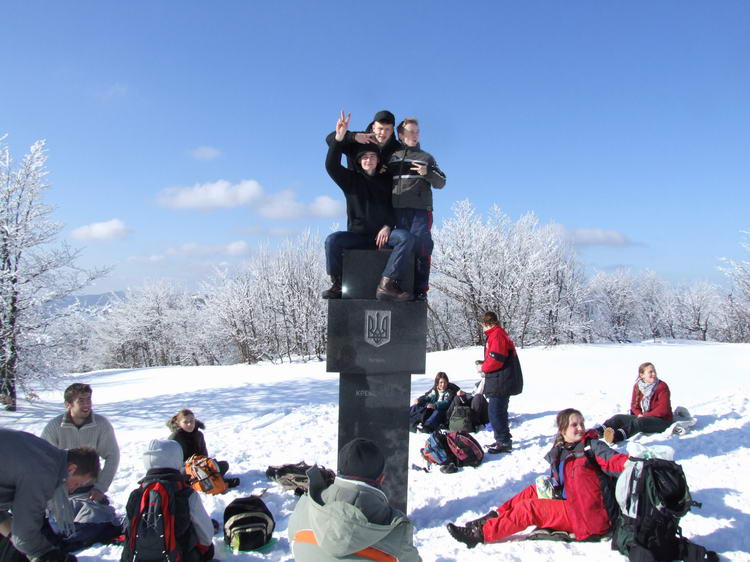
615, 305
697, 306
736, 305
34, 273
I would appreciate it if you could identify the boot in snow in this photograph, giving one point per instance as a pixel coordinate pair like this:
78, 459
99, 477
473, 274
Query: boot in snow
389, 290
334, 291
470, 536
482, 520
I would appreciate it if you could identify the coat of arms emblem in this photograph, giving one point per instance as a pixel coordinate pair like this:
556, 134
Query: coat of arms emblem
377, 327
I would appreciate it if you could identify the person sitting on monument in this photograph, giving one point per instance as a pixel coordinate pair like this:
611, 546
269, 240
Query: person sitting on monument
351, 518
435, 402
379, 133
369, 218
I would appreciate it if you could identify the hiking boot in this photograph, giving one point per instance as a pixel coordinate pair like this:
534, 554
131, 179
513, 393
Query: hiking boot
334, 291
470, 536
420, 296
482, 520
497, 448
609, 435
448, 468
389, 290
232, 482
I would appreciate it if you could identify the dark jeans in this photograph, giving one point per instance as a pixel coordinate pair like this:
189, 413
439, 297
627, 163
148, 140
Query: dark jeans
498, 411
436, 419
419, 223
633, 424
400, 240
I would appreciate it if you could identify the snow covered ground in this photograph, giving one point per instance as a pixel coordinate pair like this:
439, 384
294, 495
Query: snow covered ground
266, 414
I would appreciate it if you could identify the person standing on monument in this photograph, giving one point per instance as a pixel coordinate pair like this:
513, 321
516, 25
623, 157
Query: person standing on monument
369, 218
498, 383
351, 518
379, 133
414, 173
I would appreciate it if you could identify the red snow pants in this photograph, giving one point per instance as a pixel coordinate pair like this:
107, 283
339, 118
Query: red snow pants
526, 509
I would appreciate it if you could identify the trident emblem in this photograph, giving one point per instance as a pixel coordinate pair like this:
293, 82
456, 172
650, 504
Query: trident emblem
377, 327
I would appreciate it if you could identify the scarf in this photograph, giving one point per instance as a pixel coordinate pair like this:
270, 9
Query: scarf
647, 390
61, 510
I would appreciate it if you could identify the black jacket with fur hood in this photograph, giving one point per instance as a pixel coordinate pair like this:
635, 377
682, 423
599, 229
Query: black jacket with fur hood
192, 443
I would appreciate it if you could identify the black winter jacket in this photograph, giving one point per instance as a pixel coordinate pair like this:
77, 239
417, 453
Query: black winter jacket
410, 190
192, 443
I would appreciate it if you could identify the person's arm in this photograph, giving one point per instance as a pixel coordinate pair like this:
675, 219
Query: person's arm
435, 175
202, 449
204, 529
498, 350
29, 505
51, 432
661, 405
443, 404
109, 450
607, 458
635, 402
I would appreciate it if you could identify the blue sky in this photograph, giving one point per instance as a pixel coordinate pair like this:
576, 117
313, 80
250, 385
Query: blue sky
181, 134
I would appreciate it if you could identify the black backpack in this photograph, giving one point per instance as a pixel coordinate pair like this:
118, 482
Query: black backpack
294, 476
159, 525
657, 497
248, 524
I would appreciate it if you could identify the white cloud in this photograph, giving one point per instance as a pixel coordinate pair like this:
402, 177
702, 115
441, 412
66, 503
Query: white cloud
598, 237
154, 258
326, 207
205, 153
113, 91
281, 205
218, 194
194, 249
237, 248
107, 230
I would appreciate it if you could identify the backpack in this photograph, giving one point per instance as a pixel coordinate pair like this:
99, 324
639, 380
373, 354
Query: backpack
205, 475
248, 524
653, 495
460, 417
159, 525
294, 476
457, 447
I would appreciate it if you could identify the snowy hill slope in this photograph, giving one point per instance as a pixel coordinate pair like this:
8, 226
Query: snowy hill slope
273, 414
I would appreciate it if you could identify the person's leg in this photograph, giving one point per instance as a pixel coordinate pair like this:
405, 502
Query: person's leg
335, 245
498, 412
650, 425
622, 426
421, 228
223, 467
547, 514
479, 409
402, 242
436, 419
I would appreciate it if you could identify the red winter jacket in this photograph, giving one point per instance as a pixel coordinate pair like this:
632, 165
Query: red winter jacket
660, 407
496, 349
582, 488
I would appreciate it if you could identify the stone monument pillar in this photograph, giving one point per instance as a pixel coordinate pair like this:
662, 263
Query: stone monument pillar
376, 346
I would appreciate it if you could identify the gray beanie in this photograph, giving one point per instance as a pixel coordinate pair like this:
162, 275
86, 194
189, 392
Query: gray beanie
361, 458
163, 453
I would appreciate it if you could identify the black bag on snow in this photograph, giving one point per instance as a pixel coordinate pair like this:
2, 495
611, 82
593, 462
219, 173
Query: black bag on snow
248, 524
294, 476
418, 414
159, 525
648, 528
460, 417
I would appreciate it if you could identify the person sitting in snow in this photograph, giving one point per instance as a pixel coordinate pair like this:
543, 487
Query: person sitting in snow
436, 401
650, 408
351, 518
193, 528
569, 500
186, 430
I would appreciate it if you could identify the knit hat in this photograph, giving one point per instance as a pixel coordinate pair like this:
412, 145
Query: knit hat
163, 453
360, 149
384, 116
361, 458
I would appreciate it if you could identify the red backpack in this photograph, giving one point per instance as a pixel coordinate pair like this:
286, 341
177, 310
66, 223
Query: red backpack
457, 447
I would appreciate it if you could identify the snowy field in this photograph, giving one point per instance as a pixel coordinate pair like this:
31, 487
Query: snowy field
266, 414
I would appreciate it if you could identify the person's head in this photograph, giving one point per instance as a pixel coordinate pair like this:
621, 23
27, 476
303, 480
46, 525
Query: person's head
570, 426
368, 158
382, 126
488, 320
408, 131
83, 467
77, 399
362, 459
441, 381
647, 372
163, 453
184, 420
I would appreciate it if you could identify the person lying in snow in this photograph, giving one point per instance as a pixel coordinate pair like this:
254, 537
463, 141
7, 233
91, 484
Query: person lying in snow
351, 518
436, 400
186, 430
569, 500
650, 409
